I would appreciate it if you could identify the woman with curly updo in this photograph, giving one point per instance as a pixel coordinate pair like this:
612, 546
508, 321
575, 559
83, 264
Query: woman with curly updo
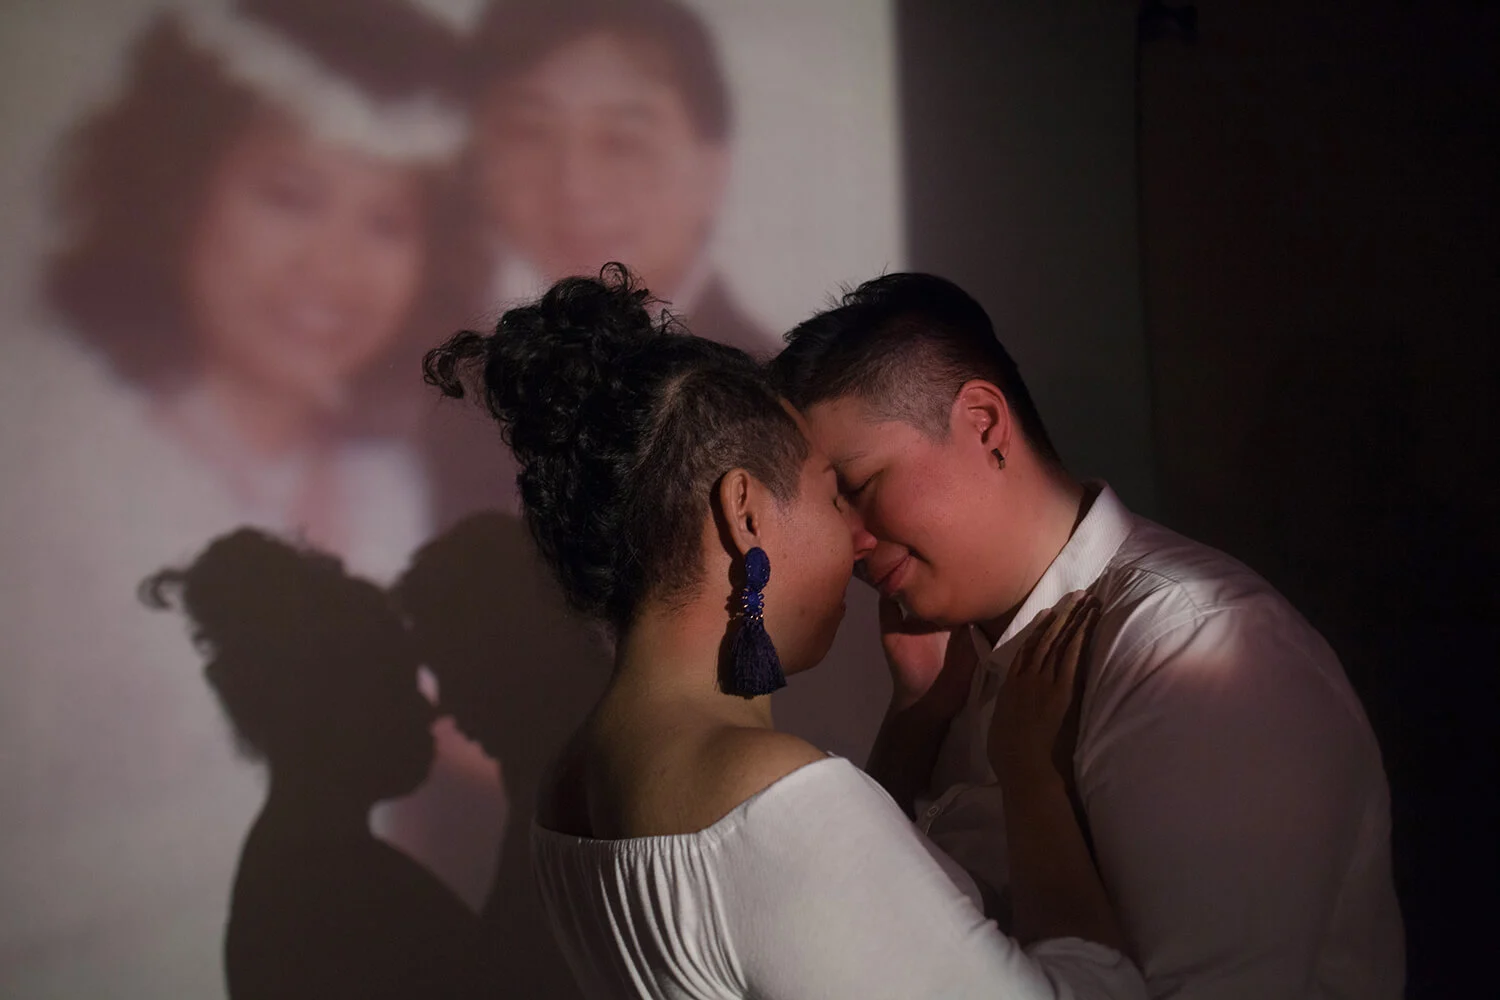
684, 847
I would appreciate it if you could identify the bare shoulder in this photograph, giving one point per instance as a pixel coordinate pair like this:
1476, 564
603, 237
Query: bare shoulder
712, 775
747, 760
666, 769
740, 762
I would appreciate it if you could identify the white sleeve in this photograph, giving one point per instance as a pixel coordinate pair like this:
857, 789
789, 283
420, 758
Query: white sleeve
1225, 795
830, 892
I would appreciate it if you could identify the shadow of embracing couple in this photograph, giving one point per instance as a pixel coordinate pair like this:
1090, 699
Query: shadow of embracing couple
318, 673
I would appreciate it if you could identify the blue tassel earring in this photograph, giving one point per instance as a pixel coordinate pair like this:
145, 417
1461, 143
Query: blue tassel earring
754, 667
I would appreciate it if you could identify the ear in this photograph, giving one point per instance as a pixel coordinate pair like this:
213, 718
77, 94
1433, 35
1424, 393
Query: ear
744, 510
982, 416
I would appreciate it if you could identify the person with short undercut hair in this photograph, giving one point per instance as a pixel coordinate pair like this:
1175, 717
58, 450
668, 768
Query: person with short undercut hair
1222, 765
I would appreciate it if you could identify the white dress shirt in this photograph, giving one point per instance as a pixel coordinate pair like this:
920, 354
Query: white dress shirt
819, 887
1235, 796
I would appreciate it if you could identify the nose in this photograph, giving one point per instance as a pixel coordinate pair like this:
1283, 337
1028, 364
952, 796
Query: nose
864, 542
334, 258
580, 182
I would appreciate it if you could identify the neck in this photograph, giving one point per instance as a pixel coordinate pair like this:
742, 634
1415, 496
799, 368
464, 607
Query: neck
1050, 508
673, 654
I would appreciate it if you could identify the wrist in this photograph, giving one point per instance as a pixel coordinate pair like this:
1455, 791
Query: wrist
940, 700
922, 707
1029, 779
904, 702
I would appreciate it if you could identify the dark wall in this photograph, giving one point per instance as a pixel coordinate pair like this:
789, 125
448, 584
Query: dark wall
1313, 187
1020, 178
1319, 233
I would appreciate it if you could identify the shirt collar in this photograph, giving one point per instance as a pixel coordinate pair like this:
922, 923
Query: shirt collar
1082, 561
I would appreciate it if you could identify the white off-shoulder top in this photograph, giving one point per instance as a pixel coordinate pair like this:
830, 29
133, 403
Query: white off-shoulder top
817, 887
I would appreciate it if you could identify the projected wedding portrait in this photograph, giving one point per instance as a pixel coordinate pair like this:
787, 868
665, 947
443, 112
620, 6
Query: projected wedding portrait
244, 223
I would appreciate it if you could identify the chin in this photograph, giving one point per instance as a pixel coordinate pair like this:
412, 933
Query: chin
937, 615
813, 656
795, 661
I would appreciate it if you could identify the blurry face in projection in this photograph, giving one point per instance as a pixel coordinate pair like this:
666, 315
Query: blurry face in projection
591, 157
303, 263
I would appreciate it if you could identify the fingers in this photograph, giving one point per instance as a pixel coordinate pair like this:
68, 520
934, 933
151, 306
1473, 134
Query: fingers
1065, 670
1034, 701
1044, 635
1077, 618
1029, 649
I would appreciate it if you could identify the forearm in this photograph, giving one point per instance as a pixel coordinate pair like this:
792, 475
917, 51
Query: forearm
905, 752
1055, 889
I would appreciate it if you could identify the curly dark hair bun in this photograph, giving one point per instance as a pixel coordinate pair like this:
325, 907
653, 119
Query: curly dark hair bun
288, 635
547, 361
622, 423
